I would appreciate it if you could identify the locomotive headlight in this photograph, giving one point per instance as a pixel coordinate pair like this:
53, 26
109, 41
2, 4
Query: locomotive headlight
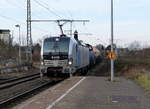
42, 63
70, 61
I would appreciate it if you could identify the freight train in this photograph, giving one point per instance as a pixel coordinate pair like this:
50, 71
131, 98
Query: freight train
63, 56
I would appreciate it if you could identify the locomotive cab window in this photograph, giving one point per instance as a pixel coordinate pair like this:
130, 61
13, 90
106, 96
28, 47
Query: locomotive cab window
56, 45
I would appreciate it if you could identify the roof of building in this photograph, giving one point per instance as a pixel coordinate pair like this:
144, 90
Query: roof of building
4, 30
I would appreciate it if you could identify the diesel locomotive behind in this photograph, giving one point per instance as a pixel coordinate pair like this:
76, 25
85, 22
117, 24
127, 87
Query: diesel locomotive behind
62, 56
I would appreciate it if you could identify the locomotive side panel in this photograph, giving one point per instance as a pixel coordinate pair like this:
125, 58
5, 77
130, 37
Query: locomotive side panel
83, 56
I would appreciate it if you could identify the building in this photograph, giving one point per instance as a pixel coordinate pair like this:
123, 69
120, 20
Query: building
5, 35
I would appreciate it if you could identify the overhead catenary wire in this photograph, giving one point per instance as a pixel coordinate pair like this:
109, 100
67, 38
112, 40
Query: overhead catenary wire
7, 18
42, 4
48, 9
54, 10
14, 4
20, 6
17, 21
10, 18
46, 6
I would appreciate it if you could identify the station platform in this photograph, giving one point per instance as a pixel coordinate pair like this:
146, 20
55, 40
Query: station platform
90, 93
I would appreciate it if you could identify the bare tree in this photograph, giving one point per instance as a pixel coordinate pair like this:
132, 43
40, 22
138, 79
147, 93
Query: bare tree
135, 46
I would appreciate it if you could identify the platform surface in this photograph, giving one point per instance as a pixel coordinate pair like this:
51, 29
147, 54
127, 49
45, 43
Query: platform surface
91, 93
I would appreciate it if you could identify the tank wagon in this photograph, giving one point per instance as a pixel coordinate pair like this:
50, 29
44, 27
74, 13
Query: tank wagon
62, 56
92, 56
98, 54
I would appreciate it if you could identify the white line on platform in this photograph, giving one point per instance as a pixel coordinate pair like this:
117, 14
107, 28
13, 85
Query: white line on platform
61, 97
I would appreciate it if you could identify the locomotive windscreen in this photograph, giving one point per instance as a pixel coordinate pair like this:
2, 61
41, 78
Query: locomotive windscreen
56, 46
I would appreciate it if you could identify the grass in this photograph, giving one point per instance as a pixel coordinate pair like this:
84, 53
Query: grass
136, 70
142, 79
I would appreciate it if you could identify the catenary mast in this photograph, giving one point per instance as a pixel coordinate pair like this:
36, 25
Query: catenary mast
29, 34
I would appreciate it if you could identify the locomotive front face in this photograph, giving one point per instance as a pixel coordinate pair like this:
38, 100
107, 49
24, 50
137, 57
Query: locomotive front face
55, 55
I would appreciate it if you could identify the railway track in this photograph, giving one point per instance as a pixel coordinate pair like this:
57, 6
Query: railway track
13, 82
4, 81
6, 101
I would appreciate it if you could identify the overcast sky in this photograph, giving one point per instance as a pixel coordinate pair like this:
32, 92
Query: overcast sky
131, 19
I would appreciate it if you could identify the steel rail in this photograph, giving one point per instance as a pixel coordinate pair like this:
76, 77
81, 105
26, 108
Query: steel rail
29, 78
16, 79
3, 102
